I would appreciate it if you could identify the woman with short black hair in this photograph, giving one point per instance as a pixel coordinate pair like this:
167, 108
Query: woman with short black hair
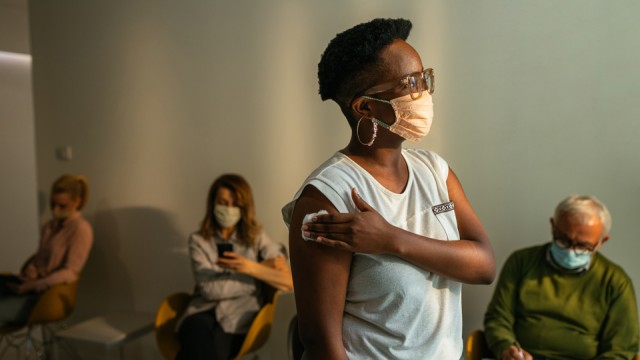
382, 237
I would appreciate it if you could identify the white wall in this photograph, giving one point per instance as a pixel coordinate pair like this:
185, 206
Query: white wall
534, 101
18, 193
540, 101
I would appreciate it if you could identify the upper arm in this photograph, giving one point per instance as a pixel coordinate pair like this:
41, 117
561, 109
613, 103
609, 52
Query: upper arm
503, 302
620, 335
500, 316
320, 277
201, 261
79, 248
205, 271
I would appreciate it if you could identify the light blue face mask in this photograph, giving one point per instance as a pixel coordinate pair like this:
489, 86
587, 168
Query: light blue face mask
568, 258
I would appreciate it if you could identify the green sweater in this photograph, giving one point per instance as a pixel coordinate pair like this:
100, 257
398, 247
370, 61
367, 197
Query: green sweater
592, 315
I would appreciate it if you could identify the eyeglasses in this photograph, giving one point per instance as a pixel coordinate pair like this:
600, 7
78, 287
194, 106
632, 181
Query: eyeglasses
565, 242
417, 83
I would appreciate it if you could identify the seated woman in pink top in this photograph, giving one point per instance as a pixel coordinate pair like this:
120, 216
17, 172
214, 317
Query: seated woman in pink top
63, 250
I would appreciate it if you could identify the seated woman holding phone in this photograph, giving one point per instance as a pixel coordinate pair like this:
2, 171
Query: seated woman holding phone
230, 256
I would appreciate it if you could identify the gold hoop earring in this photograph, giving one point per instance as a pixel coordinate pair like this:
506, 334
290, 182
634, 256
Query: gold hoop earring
375, 132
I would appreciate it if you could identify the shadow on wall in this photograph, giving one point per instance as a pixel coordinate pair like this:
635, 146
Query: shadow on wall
44, 214
474, 305
138, 257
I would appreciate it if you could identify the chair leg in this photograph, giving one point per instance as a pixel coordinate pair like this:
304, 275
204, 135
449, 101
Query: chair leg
48, 337
31, 344
28, 343
4, 345
35, 345
68, 349
25, 345
53, 345
14, 341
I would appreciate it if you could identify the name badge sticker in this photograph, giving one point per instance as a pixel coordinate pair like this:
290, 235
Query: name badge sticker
442, 208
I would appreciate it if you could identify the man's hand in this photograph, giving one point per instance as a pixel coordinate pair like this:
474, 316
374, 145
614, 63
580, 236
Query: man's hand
515, 353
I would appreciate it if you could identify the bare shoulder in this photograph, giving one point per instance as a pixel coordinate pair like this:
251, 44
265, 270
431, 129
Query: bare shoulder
312, 263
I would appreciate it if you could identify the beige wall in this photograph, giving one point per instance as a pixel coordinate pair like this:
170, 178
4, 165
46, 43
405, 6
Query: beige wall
534, 101
14, 26
18, 193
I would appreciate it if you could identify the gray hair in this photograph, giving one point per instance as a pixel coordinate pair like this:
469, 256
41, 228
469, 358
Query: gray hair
582, 205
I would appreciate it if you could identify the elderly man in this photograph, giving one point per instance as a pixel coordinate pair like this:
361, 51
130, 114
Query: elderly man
564, 300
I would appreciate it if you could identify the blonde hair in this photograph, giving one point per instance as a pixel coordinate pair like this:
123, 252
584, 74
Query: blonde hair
76, 186
248, 227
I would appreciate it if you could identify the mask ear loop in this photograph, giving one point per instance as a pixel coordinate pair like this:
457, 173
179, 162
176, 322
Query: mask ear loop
375, 132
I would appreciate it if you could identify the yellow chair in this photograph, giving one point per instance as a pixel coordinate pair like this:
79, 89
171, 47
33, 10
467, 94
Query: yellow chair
174, 306
477, 347
54, 305
280, 342
259, 330
166, 317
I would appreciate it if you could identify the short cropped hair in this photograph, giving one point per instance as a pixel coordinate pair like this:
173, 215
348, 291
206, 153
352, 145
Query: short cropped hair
582, 206
347, 64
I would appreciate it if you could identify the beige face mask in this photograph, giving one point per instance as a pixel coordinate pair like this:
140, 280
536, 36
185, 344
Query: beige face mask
227, 216
413, 117
60, 214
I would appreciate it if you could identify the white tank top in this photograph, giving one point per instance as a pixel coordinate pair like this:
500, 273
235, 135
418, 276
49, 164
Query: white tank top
396, 310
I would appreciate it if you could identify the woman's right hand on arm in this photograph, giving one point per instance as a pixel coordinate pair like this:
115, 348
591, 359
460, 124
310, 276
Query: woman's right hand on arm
320, 277
365, 231
469, 260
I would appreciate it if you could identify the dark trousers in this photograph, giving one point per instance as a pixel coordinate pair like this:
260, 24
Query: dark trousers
201, 337
14, 308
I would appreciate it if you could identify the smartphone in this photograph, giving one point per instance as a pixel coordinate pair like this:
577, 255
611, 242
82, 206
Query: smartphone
222, 247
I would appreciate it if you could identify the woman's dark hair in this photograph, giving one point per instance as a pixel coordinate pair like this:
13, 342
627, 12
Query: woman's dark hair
346, 64
248, 227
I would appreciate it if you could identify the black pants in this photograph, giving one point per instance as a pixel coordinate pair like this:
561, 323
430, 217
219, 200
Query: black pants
201, 337
14, 308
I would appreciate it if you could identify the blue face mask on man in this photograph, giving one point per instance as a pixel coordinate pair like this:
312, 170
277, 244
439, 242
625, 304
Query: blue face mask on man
568, 258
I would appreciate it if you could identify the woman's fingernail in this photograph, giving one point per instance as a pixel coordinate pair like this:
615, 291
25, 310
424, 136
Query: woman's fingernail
304, 227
